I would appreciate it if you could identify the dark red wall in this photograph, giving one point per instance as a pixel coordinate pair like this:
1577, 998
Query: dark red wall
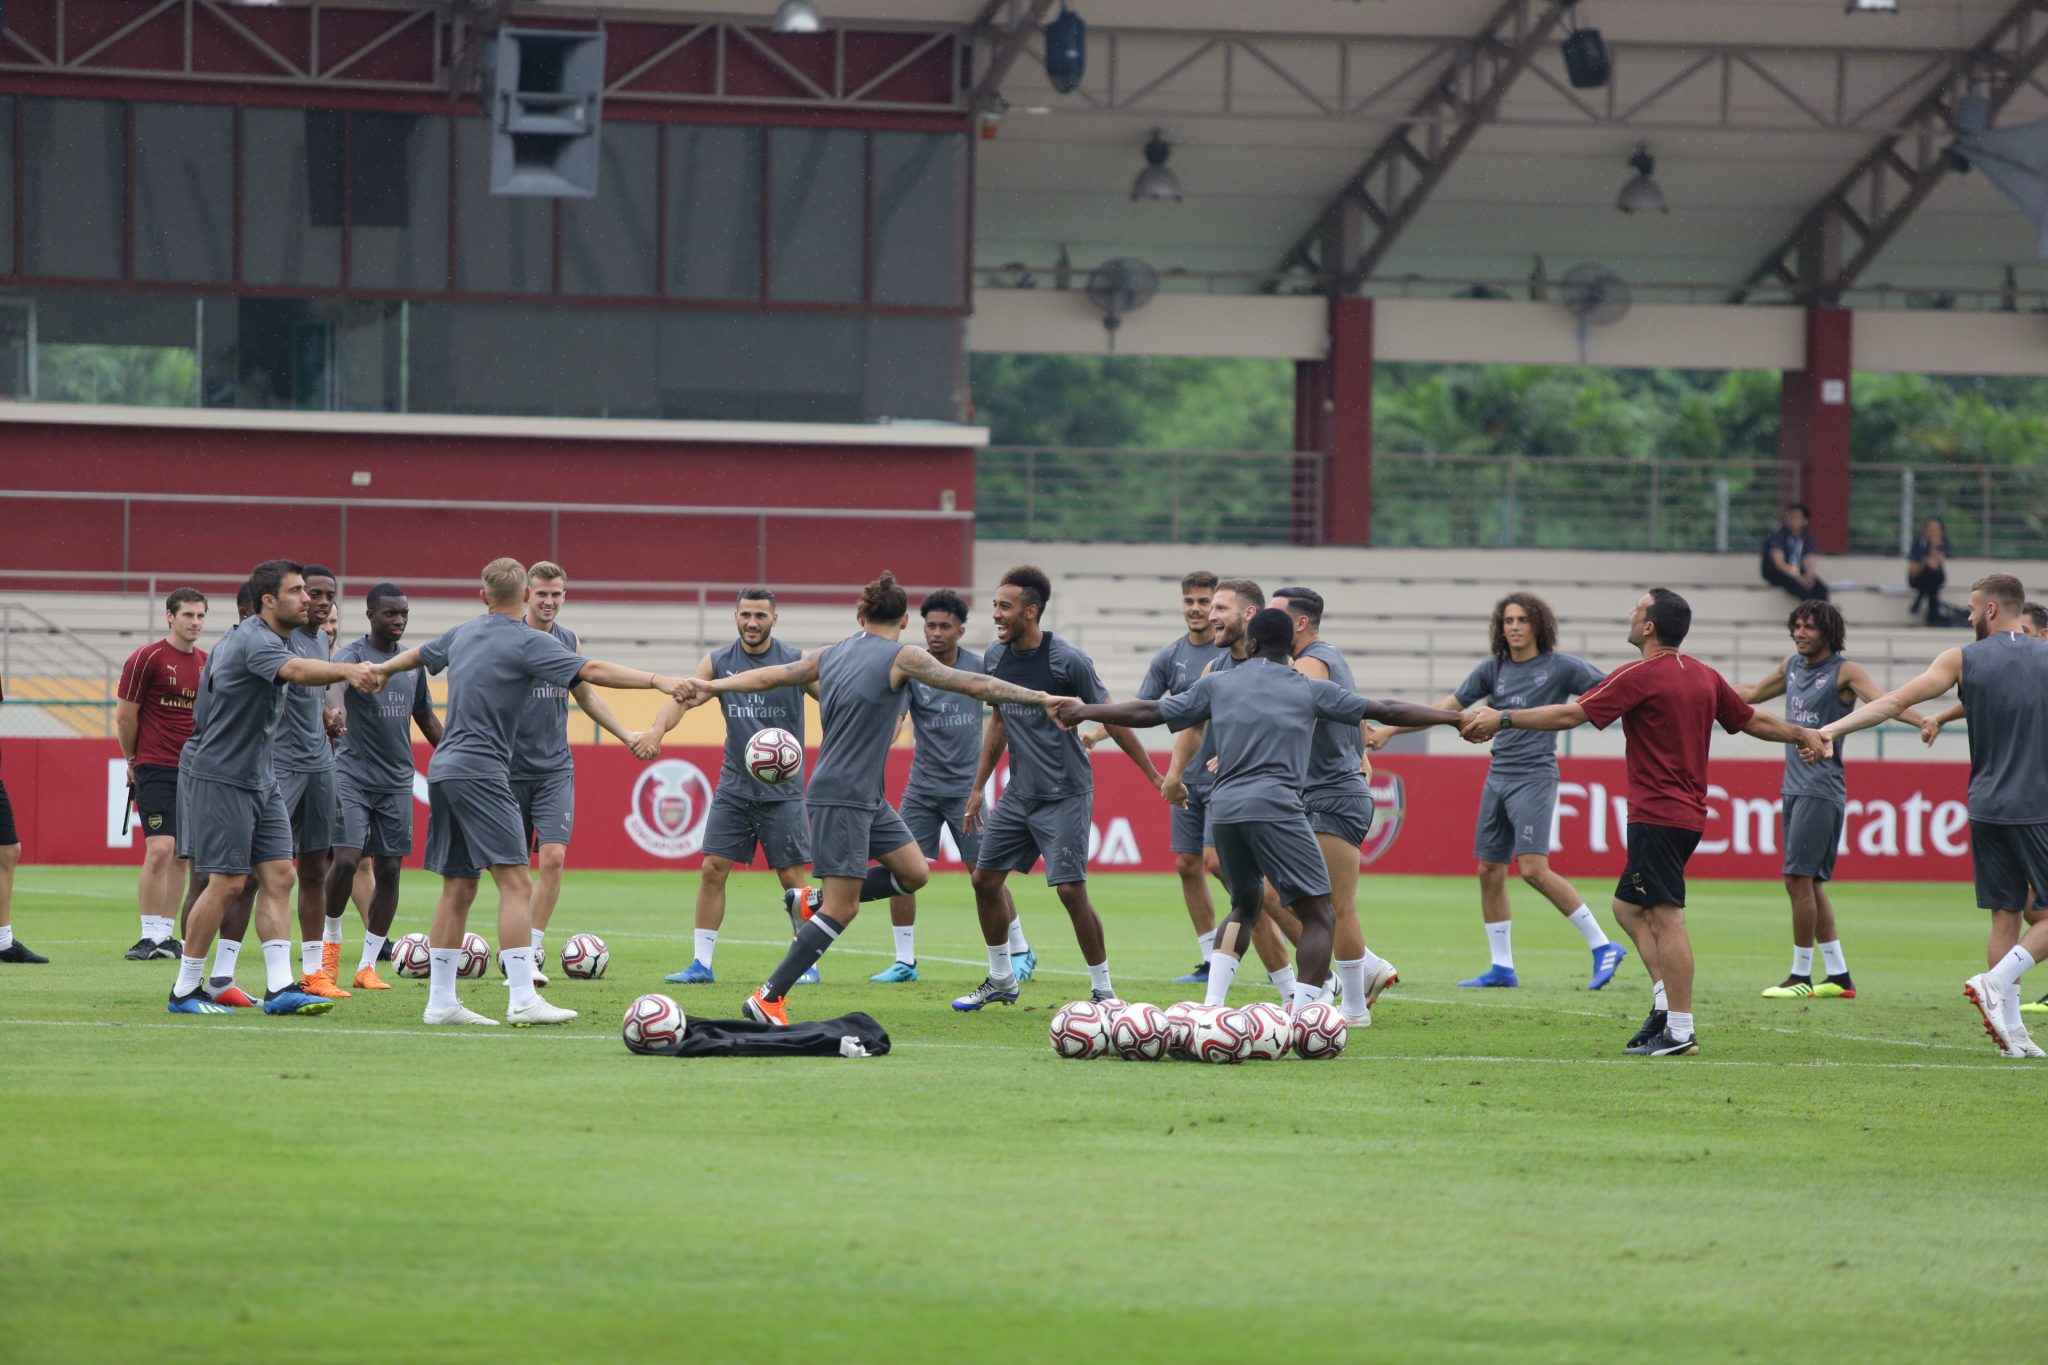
224, 537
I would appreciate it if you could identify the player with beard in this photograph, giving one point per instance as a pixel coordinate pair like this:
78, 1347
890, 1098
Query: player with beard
860, 681
745, 815
304, 759
153, 718
234, 926
1817, 684
1047, 808
374, 776
234, 810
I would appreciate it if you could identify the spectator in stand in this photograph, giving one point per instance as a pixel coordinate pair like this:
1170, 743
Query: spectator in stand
1927, 571
1788, 561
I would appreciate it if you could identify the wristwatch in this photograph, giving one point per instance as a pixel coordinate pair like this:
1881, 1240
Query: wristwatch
1507, 720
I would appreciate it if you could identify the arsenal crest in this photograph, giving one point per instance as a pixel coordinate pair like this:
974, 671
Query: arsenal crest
670, 803
1388, 805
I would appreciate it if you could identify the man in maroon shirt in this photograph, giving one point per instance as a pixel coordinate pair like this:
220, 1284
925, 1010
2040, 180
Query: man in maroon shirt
153, 717
1668, 705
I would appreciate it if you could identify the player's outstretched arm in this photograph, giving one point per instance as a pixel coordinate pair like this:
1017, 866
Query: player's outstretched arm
405, 662
802, 673
1134, 749
1930, 729
1071, 711
1773, 685
1376, 736
1943, 674
1408, 716
915, 661
1483, 722
595, 707
1776, 729
319, 673
607, 674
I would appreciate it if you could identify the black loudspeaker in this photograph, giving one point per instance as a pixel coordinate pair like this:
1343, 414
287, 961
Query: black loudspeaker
1585, 59
547, 88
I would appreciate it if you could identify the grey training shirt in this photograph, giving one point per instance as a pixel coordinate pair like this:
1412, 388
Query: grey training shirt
492, 663
2005, 696
1813, 698
1175, 668
237, 708
1507, 684
1261, 717
1336, 754
376, 753
857, 708
1045, 761
302, 731
948, 730
749, 713
541, 746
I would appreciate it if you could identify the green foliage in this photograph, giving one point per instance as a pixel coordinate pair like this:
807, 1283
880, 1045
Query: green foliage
139, 376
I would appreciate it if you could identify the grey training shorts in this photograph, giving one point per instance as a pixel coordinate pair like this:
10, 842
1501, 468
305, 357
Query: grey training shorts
2008, 861
1514, 818
472, 824
926, 813
1022, 828
547, 805
377, 822
736, 826
1190, 823
1345, 814
1813, 831
1283, 852
845, 839
309, 803
232, 829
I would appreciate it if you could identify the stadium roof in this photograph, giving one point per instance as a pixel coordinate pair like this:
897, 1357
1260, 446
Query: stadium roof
1753, 109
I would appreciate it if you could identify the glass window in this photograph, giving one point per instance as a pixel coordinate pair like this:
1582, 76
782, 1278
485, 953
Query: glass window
184, 192
506, 243
398, 201
116, 346
291, 196
819, 214
714, 212
7, 266
74, 188
608, 242
920, 216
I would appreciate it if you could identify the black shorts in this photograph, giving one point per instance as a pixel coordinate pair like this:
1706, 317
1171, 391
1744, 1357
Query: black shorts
8, 835
1655, 874
156, 800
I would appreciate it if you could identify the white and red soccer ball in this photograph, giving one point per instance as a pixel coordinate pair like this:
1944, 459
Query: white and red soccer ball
652, 1023
774, 756
1220, 1035
1319, 1032
1138, 1033
476, 957
585, 957
1080, 1030
1272, 1034
413, 956
1180, 1029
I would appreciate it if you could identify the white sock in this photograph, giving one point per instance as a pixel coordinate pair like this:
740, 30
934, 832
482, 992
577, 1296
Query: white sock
1017, 944
1657, 996
1098, 977
1802, 961
2011, 968
1222, 971
1500, 942
2009, 1012
191, 970
1304, 996
1282, 979
277, 964
441, 977
1679, 1024
6, 937
155, 928
330, 932
1831, 956
373, 944
519, 975
539, 942
1589, 928
225, 954
1351, 976
999, 968
906, 942
309, 956
1207, 944
707, 945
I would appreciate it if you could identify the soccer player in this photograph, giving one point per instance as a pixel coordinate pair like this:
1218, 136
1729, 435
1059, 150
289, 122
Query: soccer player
859, 681
1668, 705
1816, 683
1261, 718
2034, 623
473, 820
745, 814
1518, 804
1174, 670
1047, 807
234, 925
543, 764
153, 717
373, 776
2002, 680
10, 858
234, 813
304, 760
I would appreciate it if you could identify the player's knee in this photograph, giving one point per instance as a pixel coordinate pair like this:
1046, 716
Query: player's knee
1493, 874
553, 857
10, 857
1533, 867
1189, 866
716, 870
1211, 864
157, 856
1073, 895
386, 868
986, 880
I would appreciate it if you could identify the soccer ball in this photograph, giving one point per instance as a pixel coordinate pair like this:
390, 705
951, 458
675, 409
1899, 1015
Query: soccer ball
1270, 1033
1319, 1032
1180, 1029
476, 956
1080, 1030
586, 956
774, 756
1138, 1033
1220, 1035
652, 1023
413, 956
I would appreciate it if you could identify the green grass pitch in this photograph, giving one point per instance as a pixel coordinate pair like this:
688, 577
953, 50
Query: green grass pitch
1481, 1176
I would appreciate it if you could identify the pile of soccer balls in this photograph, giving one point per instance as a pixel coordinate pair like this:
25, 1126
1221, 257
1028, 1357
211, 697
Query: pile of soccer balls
584, 956
1196, 1033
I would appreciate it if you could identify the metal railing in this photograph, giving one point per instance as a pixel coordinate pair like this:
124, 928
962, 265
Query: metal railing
72, 672
1990, 511
1259, 497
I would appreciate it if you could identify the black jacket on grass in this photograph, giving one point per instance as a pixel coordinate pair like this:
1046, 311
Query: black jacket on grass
745, 1038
